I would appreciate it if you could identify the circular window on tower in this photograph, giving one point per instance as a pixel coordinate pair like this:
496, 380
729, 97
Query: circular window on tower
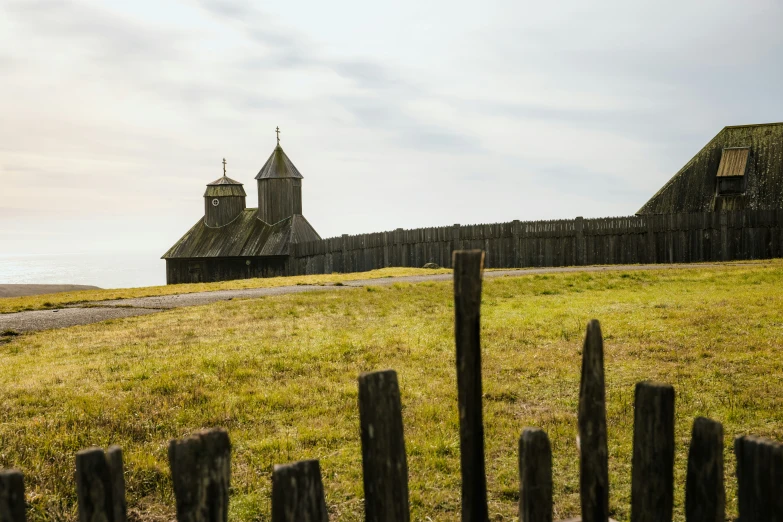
215, 202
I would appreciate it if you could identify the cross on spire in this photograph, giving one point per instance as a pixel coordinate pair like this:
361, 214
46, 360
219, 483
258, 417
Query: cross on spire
277, 131
224, 166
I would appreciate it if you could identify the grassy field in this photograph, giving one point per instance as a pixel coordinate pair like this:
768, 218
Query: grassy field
280, 374
45, 301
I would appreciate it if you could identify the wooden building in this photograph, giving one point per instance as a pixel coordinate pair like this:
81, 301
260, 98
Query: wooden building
739, 169
232, 241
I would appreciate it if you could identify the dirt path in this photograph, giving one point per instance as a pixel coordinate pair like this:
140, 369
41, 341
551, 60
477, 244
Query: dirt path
97, 311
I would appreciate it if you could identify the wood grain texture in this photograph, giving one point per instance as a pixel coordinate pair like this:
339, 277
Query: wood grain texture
298, 493
692, 189
200, 472
652, 467
117, 480
227, 210
593, 454
384, 462
759, 479
535, 476
12, 501
681, 238
705, 494
93, 486
468, 267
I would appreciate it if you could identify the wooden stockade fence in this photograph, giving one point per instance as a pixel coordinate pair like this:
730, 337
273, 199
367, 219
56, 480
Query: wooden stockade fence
674, 238
200, 464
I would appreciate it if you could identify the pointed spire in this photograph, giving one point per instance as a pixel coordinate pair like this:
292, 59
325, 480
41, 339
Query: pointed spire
224, 167
277, 131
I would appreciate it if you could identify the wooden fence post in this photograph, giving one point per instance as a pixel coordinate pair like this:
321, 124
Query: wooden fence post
456, 243
117, 479
515, 226
705, 496
12, 505
724, 236
759, 479
384, 464
201, 472
652, 250
580, 243
535, 476
468, 266
593, 454
652, 467
93, 486
345, 253
386, 258
298, 493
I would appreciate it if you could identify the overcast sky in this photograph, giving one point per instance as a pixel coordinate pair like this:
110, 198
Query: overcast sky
114, 115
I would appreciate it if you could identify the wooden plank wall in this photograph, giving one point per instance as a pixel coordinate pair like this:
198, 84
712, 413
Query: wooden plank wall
675, 238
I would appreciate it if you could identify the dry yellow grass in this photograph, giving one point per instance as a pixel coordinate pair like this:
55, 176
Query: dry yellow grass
280, 374
42, 302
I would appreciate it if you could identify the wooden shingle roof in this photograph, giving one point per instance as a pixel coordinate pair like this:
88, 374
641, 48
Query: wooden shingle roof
278, 166
754, 152
224, 186
246, 236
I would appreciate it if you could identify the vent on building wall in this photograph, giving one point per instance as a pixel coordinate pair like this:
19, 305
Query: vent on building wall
731, 171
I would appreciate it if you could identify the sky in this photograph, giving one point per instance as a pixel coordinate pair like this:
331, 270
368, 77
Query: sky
115, 114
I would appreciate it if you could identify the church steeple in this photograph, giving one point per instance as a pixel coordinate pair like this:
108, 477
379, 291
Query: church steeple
224, 200
279, 187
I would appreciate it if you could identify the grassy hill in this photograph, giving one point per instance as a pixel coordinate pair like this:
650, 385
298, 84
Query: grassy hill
280, 374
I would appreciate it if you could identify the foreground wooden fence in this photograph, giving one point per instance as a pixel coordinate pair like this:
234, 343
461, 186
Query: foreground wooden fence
673, 238
200, 464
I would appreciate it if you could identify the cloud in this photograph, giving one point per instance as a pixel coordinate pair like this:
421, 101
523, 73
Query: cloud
110, 38
381, 102
510, 111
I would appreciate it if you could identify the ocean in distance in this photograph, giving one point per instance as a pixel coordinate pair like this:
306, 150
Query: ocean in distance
103, 269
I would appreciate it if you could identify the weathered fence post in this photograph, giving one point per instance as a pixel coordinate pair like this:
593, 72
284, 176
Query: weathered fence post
298, 493
93, 486
705, 496
456, 243
759, 479
593, 454
724, 236
344, 250
579, 240
652, 467
515, 226
201, 472
535, 476
468, 266
652, 250
117, 479
386, 258
12, 505
384, 463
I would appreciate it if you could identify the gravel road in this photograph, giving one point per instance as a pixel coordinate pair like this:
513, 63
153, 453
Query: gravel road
97, 311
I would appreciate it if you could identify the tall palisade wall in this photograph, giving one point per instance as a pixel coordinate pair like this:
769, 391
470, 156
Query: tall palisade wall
674, 238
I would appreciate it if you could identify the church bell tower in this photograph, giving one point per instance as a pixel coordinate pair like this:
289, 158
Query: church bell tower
279, 187
224, 200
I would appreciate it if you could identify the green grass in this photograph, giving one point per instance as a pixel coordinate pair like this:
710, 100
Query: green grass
280, 374
45, 301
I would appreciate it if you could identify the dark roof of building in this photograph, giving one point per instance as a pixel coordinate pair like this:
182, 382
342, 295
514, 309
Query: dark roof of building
752, 151
278, 166
224, 186
224, 180
245, 236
